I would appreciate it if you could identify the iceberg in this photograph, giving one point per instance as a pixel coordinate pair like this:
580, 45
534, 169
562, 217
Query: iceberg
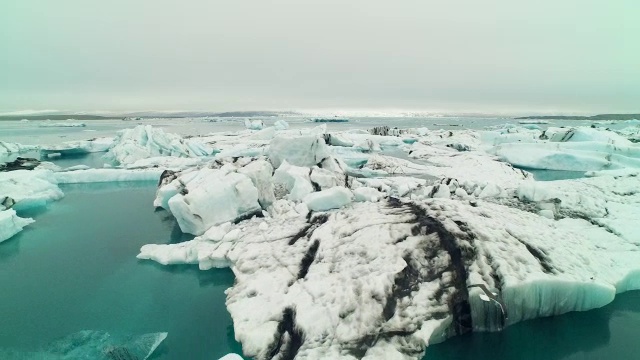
333, 198
573, 149
144, 141
91, 344
253, 124
197, 206
414, 243
78, 147
292, 181
11, 223
326, 279
306, 150
29, 188
49, 123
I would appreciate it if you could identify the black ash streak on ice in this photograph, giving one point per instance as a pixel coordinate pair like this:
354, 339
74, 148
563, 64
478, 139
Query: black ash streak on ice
459, 247
459, 301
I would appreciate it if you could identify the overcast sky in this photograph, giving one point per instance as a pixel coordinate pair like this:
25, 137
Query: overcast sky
459, 55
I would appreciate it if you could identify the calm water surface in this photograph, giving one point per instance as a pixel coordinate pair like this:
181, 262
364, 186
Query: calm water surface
608, 333
75, 269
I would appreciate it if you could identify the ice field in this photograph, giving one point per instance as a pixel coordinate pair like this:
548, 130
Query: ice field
376, 238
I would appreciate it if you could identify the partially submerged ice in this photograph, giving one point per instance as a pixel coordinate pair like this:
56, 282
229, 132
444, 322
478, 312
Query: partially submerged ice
11, 223
92, 344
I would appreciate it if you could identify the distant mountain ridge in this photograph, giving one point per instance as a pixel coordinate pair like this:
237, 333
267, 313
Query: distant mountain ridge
147, 114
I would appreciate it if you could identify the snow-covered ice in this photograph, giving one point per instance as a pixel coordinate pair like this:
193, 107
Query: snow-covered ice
144, 141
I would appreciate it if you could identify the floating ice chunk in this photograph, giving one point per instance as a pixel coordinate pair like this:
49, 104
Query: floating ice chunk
76, 167
323, 178
11, 224
144, 141
49, 123
205, 253
259, 172
584, 134
533, 121
293, 180
281, 125
231, 357
213, 197
337, 139
165, 162
267, 133
367, 194
8, 148
253, 124
106, 175
367, 145
101, 345
78, 147
29, 188
307, 150
94, 345
333, 198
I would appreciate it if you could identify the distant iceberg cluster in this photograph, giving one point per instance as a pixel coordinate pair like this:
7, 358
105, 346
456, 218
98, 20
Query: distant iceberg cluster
376, 243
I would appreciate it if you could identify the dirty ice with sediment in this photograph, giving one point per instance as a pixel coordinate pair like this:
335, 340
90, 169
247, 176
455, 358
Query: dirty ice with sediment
373, 242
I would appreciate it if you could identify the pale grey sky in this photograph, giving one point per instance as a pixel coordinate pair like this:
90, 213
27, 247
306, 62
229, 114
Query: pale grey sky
464, 55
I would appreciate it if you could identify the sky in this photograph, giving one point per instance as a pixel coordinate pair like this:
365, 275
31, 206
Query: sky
493, 56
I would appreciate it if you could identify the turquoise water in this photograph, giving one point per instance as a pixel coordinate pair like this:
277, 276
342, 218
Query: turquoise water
75, 269
551, 175
606, 333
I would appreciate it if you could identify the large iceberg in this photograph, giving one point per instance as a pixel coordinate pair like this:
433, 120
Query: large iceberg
411, 273
573, 149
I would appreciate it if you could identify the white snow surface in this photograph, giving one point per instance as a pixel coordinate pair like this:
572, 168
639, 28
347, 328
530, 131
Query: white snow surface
333, 198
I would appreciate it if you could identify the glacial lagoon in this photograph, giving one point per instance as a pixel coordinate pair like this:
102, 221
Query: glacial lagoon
76, 269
